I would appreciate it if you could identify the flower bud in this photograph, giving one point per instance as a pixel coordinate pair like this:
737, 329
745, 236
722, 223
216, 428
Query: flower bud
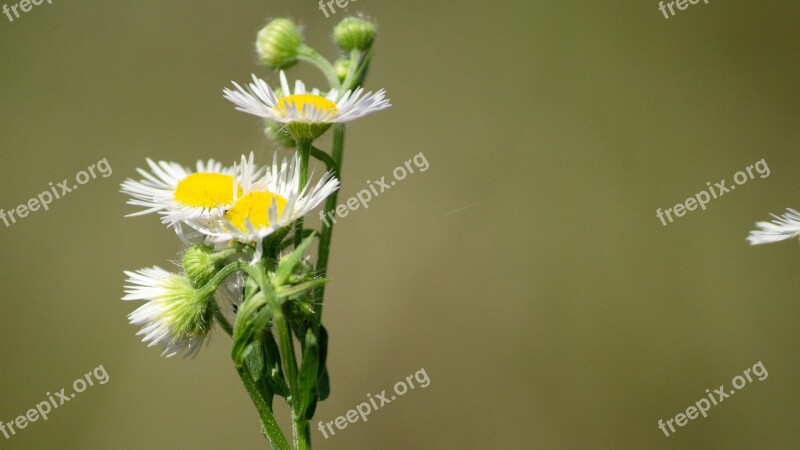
354, 33
341, 67
201, 263
277, 43
278, 133
174, 315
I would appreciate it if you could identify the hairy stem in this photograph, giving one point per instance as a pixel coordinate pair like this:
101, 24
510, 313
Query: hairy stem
271, 427
327, 227
221, 320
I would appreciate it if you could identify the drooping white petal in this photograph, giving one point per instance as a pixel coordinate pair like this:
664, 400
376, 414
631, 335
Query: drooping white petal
164, 293
781, 228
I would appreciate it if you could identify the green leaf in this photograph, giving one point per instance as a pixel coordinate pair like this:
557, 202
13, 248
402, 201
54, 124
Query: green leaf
307, 382
323, 381
284, 292
255, 360
274, 371
288, 263
257, 369
251, 319
324, 386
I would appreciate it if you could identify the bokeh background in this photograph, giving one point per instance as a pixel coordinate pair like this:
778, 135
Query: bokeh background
525, 271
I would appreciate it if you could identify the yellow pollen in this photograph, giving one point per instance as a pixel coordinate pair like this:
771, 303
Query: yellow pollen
206, 190
305, 104
254, 207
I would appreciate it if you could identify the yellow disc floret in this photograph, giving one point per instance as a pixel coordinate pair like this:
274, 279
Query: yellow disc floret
254, 207
206, 190
309, 107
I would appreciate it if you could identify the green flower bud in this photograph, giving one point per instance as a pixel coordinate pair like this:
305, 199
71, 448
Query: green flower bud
341, 67
278, 133
201, 263
354, 33
304, 271
278, 43
300, 310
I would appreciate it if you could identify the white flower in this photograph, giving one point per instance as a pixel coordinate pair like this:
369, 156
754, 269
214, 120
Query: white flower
273, 202
175, 315
179, 194
300, 106
782, 228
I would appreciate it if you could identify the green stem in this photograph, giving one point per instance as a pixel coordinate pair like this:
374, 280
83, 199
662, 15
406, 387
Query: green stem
304, 149
327, 226
302, 434
308, 54
352, 72
288, 358
258, 273
221, 320
271, 427
325, 159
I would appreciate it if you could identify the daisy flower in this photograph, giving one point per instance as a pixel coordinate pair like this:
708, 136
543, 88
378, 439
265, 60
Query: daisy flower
307, 114
175, 315
274, 201
179, 194
783, 227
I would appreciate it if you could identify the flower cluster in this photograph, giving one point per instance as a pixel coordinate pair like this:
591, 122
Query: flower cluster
245, 233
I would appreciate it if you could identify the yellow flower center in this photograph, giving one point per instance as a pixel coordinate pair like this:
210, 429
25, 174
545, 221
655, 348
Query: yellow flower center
254, 207
206, 190
306, 105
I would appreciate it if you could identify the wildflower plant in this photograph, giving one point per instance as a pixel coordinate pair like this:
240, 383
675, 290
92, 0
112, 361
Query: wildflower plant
247, 244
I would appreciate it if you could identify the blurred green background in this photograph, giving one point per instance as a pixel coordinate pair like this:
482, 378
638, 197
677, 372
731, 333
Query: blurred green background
525, 271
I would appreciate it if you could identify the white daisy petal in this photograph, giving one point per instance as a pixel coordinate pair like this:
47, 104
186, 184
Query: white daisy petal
179, 194
781, 228
173, 316
272, 202
302, 106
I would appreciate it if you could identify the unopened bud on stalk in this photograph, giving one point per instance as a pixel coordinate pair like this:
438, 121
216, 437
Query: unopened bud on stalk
278, 43
201, 263
278, 133
341, 67
354, 33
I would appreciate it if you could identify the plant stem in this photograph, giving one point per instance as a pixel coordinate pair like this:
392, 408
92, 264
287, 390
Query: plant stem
308, 54
327, 228
221, 320
288, 359
325, 159
352, 72
271, 427
302, 434
304, 148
